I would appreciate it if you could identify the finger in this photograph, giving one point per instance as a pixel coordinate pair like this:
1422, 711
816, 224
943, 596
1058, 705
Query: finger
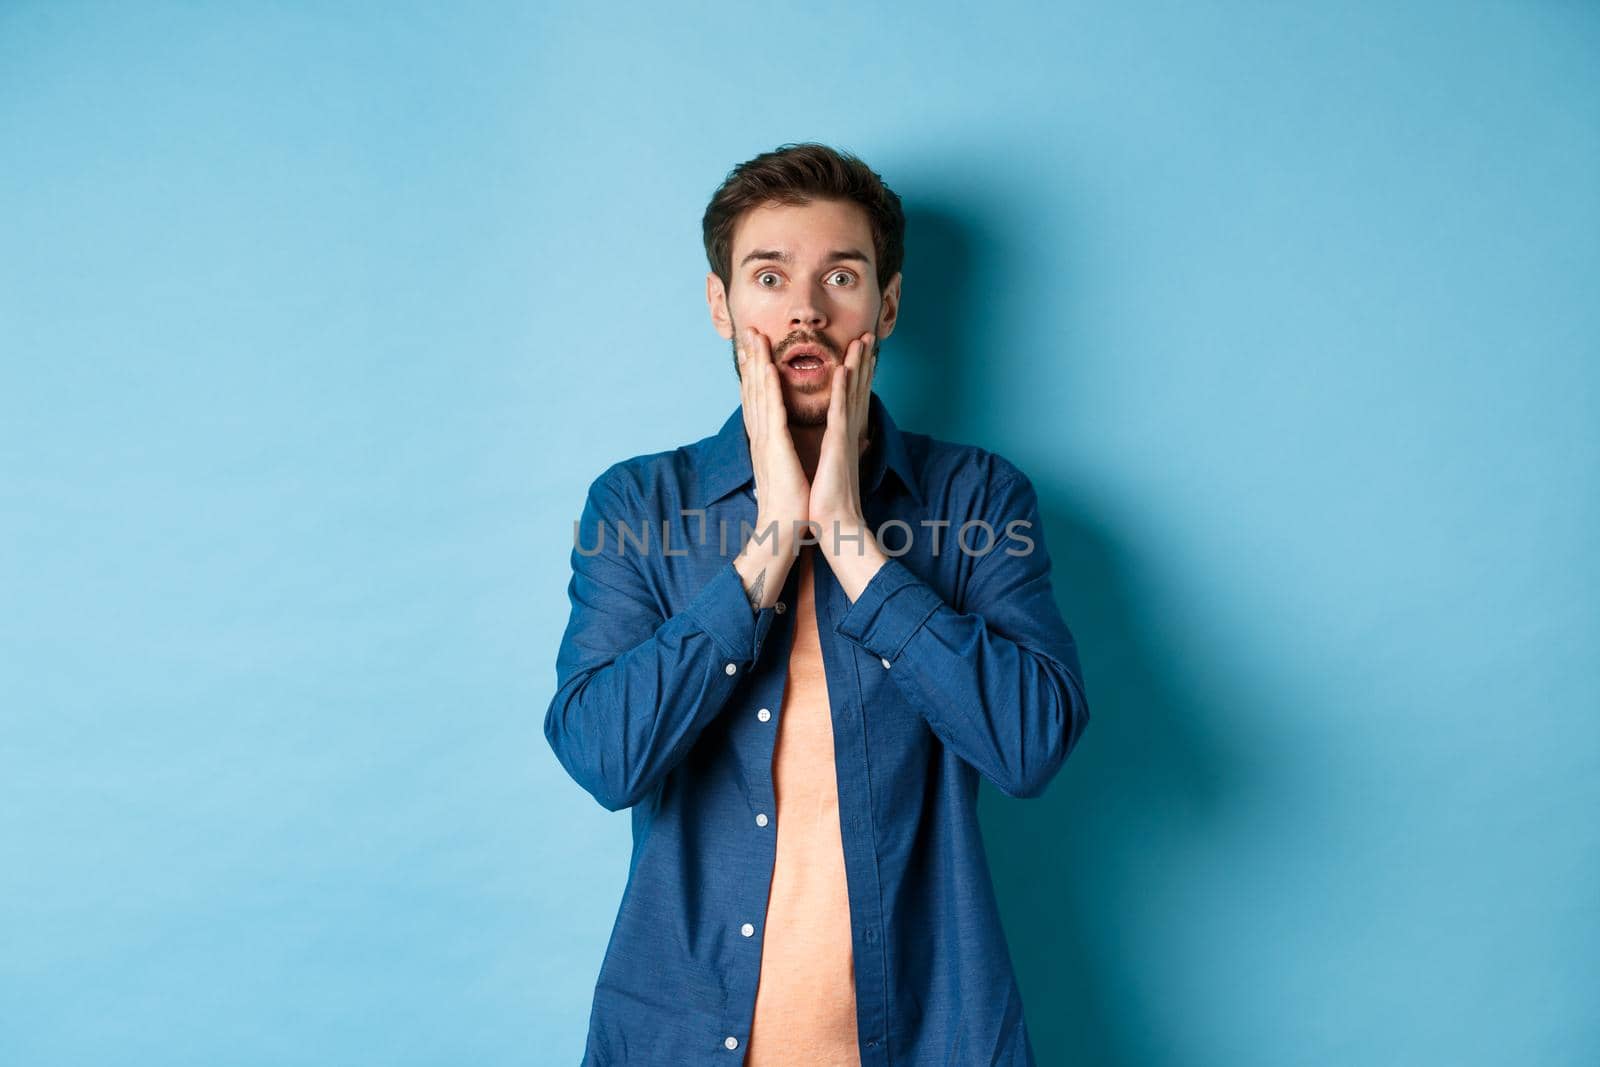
838, 402
840, 397
760, 389
773, 404
870, 347
852, 364
742, 357
869, 365
749, 385
773, 378
852, 359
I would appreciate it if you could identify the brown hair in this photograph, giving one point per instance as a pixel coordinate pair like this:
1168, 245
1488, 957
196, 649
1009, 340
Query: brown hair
798, 174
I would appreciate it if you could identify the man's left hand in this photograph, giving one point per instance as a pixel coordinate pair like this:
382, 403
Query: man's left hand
836, 486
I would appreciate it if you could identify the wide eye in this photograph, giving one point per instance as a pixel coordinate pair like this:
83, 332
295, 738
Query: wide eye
765, 274
846, 275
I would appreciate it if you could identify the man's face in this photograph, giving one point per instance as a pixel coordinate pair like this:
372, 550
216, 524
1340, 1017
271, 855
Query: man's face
804, 275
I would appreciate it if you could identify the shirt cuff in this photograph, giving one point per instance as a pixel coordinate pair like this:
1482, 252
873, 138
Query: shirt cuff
892, 608
722, 609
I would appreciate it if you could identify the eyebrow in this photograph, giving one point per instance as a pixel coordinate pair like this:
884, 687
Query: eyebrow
784, 257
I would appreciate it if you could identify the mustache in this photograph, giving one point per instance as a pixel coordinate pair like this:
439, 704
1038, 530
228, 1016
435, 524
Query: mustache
794, 340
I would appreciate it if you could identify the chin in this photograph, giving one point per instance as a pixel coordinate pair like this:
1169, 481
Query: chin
807, 415
806, 409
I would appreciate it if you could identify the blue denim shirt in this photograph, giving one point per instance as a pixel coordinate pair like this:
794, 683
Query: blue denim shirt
954, 662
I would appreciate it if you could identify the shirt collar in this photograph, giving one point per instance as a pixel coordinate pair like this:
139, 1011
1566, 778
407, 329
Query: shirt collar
726, 460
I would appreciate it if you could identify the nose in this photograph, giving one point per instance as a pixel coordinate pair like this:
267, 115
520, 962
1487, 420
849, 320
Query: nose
807, 314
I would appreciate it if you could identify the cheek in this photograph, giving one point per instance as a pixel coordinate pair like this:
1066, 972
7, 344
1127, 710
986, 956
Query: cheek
752, 305
766, 314
859, 304
762, 301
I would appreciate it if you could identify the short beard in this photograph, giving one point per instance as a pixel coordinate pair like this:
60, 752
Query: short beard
795, 418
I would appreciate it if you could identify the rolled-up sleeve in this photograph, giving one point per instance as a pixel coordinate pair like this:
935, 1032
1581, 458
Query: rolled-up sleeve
634, 688
1000, 682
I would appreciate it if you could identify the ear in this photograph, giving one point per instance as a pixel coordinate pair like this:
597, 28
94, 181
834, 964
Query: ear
717, 301
890, 310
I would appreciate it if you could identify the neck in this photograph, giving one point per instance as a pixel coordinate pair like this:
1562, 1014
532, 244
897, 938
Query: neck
808, 447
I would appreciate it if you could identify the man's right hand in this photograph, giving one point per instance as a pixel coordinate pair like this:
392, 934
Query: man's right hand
783, 493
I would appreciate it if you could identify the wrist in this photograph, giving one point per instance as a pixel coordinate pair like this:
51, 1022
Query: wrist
772, 536
844, 535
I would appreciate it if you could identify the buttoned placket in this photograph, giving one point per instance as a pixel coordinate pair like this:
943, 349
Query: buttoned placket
768, 679
842, 663
840, 667
840, 670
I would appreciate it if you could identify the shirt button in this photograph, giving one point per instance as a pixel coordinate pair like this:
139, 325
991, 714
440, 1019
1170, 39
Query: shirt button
730, 1041
880, 660
747, 929
730, 668
763, 714
779, 608
761, 818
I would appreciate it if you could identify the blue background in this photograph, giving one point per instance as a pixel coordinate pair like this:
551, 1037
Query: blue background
316, 324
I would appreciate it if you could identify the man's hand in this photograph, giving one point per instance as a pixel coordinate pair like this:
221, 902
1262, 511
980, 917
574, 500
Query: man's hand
782, 492
835, 506
836, 489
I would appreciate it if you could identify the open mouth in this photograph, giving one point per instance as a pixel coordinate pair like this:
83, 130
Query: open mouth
805, 357
807, 369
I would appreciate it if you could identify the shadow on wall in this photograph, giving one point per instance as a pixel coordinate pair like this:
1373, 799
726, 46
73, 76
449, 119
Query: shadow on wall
931, 382
1078, 870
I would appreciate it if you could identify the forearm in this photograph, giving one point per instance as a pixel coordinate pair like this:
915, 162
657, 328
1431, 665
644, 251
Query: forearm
852, 553
635, 689
620, 727
763, 564
1012, 712
1001, 687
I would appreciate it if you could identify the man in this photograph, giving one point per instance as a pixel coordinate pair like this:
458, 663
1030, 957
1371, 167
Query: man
799, 729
